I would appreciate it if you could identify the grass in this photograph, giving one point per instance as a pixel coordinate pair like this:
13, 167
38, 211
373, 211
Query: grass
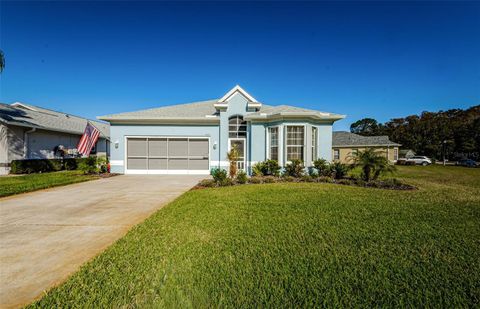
297, 245
10, 185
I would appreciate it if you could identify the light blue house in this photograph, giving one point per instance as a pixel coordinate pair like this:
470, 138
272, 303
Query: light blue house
195, 137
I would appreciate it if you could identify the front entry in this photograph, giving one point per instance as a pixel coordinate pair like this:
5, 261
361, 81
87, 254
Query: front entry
240, 145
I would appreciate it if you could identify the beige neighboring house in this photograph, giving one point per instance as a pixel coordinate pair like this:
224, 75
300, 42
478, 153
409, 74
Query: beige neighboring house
32, 132
346, 144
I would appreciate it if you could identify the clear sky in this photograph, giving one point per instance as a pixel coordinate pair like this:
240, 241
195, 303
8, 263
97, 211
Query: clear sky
372, 59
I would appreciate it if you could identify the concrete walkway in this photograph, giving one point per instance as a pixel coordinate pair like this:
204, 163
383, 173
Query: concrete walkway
47, 235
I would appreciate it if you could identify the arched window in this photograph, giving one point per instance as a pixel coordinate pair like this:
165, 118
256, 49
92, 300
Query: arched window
237, 127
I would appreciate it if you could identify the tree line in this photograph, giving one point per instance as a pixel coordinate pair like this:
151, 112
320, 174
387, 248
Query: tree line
455, 132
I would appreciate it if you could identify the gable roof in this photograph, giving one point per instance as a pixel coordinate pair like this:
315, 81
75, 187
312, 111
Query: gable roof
207, 111
346, 139
25, 115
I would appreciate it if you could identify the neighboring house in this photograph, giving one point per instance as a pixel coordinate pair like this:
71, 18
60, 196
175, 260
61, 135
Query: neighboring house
346, 145
406, 153
193, 138
31, 132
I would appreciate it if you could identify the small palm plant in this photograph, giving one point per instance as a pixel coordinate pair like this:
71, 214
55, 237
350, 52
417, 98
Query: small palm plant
372, 163
232, 157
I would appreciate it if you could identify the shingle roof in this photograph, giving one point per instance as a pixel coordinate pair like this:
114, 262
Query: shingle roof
287, 110
344, 139
193, 110
206, 110
25, 115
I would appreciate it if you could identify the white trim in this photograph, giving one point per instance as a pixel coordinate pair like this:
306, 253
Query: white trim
116, 162
165, 172
269, 154
235, 89
17, 104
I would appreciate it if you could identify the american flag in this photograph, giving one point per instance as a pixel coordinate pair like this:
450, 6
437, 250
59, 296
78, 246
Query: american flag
88, 140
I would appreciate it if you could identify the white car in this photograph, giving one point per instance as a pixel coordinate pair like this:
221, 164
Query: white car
420, 160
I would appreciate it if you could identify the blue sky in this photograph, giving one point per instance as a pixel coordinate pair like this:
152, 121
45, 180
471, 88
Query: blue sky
363, 59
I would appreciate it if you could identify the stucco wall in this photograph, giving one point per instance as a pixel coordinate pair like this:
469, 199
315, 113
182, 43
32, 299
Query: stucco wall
119, 132
346, 152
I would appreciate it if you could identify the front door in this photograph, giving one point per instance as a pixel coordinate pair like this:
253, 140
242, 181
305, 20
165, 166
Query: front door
239, 144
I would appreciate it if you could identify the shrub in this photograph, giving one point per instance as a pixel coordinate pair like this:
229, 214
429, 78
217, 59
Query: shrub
266, 168
323, 167
294, 169
241, 177
226, 182
36, 166
345, 182
218, 174
313, 172
70, 164
339, 170
287, 178
307, 178
325, 179
269, 179
208, 183
102, 164
255, 180
88, 165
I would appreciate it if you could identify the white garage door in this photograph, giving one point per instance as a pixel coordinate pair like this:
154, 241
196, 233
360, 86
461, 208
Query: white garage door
167, 155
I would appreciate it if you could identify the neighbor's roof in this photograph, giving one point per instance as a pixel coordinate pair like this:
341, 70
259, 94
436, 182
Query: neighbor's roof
205, 111
346, 139
25, 115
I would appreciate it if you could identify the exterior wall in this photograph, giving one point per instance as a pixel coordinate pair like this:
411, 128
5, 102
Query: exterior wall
237, 105
41, 143
324, 138
11, 146
119, 132
345, 152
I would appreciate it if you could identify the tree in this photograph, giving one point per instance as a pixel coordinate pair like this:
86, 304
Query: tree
372, 163
232, 157
2, 61
366, 126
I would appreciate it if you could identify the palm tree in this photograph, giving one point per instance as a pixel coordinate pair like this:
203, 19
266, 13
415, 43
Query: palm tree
2, 61
372, 163
232, 157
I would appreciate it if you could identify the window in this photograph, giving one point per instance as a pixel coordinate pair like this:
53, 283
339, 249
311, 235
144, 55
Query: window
314, 143
237, 127
336, 154
273, 143
295, 143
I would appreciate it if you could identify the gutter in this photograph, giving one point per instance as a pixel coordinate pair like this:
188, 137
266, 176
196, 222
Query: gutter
25, 141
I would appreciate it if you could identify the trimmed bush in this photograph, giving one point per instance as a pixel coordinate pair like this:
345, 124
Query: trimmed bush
266, 168
241, 177
207, 183
269, 179
218, 174
88, 165
255, 179
294, 169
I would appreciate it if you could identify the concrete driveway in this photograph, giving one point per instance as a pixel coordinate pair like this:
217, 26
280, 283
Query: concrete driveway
46, 235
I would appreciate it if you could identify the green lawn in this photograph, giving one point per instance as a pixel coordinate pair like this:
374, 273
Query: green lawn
297, 245
14, 184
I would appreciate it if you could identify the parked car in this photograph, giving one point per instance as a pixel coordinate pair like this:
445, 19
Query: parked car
419, 160
466, 162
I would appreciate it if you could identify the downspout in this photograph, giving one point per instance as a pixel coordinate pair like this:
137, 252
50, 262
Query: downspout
25, 141
219, 141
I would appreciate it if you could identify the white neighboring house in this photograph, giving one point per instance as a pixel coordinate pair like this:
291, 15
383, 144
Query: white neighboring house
31, 132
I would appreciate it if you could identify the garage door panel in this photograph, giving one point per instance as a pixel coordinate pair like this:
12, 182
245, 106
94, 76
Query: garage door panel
198, 147
178, 147
157, 164
137, 147
198, 164
168, 154
178, 164
157, 147
137, 163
